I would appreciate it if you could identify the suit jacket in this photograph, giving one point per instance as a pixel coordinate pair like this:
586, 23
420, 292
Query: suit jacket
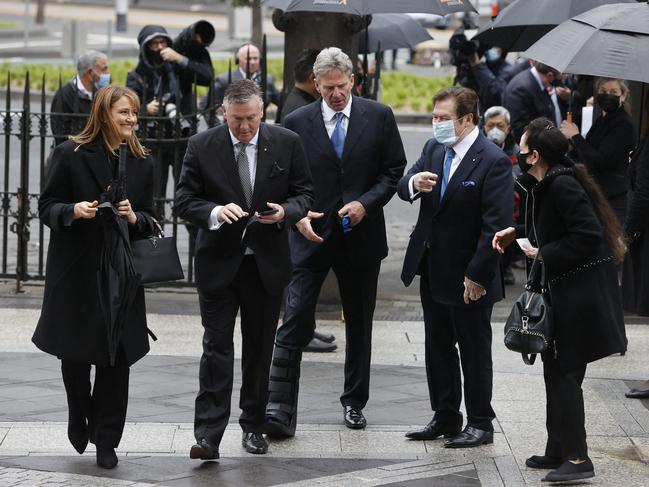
296, 98
373, 160
457, 231
72, 323
526, 101
210, 177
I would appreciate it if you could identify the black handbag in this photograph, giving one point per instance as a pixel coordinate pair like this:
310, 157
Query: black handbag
529, 327
156, 259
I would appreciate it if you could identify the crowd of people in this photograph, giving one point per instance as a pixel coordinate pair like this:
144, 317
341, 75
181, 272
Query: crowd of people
276, 207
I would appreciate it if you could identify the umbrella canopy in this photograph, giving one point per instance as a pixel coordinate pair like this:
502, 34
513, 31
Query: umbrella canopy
368, 7
524, 22
610, 41
393, 31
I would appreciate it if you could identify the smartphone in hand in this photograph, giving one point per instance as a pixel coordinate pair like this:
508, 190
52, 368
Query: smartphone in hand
268, 212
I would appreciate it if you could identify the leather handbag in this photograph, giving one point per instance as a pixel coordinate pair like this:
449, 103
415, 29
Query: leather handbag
156, 259
529, 327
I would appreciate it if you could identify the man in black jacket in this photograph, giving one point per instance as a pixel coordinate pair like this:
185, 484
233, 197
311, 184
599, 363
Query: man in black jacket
304, 90
75, 97
163, 80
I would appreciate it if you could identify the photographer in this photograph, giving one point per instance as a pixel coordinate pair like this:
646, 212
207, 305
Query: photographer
163, 81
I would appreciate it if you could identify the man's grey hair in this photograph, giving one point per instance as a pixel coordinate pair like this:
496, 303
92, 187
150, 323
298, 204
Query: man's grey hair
332, 58
496, 112
88, 60
242, 91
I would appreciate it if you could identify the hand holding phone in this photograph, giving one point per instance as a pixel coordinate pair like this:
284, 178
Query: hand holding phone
268, 212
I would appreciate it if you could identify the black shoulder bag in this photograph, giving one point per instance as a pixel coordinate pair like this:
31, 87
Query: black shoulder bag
530, 326
155, 258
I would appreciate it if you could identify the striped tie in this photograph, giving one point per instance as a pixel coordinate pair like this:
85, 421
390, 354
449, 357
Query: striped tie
244, 173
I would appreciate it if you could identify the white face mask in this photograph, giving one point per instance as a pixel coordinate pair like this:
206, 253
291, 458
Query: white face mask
496, 135
444, 132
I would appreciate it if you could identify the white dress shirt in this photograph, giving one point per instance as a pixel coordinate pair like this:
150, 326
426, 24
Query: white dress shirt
82, 89
461, 148
251, 153
553, 96
329, 117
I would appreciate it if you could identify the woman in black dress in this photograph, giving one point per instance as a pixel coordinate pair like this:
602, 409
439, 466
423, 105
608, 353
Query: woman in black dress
605, 150
72, 324
577, 238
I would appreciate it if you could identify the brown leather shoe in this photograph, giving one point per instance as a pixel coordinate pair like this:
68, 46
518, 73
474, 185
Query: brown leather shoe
203, 450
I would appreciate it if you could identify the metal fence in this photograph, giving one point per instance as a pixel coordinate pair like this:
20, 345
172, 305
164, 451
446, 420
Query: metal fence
28, 139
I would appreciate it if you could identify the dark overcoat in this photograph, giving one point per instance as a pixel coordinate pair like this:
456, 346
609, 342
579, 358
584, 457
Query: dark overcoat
635, 278
72, 325
586, 298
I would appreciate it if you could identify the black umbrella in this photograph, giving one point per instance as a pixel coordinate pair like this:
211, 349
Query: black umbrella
523, 22
368, 7
393, 31
610, 41
117, 280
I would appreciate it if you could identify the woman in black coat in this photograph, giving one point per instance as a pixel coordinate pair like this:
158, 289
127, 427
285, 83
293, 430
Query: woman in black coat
577, 238
605, 150
635, 278
72, 324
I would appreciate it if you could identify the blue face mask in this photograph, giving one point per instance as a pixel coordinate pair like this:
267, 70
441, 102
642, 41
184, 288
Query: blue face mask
492, 55
104, 80
444, 132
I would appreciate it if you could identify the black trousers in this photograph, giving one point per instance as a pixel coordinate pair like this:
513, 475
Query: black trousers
358, 293
565, 420
470, 328
259, 316
105, 406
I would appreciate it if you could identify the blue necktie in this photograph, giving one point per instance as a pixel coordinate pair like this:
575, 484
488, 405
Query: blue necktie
450, 154
338, 135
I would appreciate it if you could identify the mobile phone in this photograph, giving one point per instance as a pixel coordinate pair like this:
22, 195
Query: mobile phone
268, 212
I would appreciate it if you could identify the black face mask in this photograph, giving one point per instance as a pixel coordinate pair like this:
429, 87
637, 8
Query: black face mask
608, 103
522, 161
155, 58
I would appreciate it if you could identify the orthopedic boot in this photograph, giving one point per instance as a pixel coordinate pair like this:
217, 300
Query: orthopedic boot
283, 387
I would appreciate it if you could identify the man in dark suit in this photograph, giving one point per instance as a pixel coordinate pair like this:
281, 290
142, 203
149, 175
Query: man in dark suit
243, 185
249, 67
356, 158
533, 93
464, 183
304, 90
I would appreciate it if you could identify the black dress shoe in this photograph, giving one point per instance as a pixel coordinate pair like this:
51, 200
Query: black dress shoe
354, 418
324, 337
469, 438
204, 450
319, 346
433, 430
637, 393
569, 471
106, 457
254, 443
77, 431
543, 461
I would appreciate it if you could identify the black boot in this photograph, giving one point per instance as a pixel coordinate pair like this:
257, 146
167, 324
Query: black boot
283, 387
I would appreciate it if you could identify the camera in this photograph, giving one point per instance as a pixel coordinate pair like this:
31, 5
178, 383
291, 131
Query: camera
462, 50
170, 110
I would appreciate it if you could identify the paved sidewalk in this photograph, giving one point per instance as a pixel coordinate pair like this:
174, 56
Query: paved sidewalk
154, 450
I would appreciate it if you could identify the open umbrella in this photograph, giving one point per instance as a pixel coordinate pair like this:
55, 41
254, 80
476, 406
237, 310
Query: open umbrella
368, 7
611, 41
393, 31
117, 279
523, 22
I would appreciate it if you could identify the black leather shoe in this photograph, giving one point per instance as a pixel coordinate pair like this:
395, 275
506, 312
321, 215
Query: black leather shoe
469, 438
324, 337
569, 472
254, 443
637, 393
77, 431
319, 346
543, 461
204, 450
433, 430
106, 457
354, 418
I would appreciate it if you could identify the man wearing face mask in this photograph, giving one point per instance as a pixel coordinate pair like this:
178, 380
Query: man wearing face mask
492, 75
75, 97
534, 93
605, 149
465, 185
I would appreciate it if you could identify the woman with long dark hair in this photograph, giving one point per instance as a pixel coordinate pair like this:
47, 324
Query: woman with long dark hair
73, 325
576, 236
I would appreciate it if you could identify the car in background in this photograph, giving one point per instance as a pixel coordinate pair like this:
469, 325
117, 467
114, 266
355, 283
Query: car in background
432, 20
